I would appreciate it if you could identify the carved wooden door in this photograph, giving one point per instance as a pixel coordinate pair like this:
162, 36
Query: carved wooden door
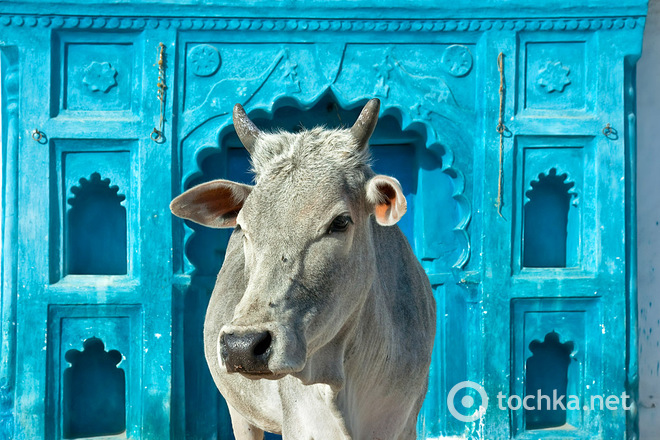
94, 304
526, 233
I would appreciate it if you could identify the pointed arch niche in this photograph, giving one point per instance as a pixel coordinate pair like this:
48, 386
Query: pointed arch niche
96, 242
547, 374
433, 188
550, 232
94, 392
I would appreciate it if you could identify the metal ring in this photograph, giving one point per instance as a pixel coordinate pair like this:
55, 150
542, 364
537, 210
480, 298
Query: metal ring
37, 135
610, 132
156, 135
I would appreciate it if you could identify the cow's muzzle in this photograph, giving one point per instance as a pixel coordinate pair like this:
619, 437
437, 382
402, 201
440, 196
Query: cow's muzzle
246, 353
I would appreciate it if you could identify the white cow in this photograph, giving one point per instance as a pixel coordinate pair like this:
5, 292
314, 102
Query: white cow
322, 320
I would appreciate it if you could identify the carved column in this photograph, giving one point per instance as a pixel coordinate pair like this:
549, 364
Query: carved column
10, 142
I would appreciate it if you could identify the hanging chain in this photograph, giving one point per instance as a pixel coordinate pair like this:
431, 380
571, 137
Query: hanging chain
157, 133
501, 129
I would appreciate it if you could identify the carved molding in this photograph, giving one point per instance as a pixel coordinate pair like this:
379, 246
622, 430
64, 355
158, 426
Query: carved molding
11, 90
8, 251
313, 25
554, 172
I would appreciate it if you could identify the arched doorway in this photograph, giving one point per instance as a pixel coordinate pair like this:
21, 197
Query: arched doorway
433, 224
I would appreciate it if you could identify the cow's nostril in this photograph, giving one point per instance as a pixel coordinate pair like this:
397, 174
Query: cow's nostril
263, 344
247, 352
223, 348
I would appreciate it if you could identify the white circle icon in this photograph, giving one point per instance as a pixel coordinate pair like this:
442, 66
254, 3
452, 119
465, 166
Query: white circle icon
467, 401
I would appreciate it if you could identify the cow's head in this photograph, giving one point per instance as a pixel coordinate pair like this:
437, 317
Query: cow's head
307, 233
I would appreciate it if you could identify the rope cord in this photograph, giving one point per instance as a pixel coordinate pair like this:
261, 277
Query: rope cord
501, 129
157, 133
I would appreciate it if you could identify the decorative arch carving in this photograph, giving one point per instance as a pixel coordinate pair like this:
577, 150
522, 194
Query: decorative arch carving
304, 75
438, 143
554, 172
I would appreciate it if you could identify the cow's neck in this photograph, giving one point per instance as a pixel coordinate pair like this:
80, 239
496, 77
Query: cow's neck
363, 361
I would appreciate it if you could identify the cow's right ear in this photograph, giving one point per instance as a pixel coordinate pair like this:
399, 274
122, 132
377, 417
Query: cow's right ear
214, 204
386, 197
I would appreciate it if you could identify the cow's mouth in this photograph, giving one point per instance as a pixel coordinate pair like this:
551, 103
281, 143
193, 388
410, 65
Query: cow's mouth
262, 375
254, 374
233, 368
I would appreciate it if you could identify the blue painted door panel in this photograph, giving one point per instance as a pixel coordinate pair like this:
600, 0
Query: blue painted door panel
527, 236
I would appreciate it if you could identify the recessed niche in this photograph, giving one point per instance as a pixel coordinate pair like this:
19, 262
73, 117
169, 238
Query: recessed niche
94, 392
394, 151
546, 232
95, 74
556, 76
96, 229
546, 377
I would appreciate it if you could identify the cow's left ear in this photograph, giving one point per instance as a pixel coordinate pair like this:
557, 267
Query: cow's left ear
385, 195
214, 204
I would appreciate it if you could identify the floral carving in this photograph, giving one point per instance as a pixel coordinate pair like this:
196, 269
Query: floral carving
100, 77
554, 76
457, 60
204, 60
383, 71
290, 74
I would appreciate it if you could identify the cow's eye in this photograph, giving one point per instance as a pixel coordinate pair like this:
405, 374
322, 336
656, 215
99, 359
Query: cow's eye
340, 224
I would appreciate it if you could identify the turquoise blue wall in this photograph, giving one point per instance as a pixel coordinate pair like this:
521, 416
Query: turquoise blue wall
527, 234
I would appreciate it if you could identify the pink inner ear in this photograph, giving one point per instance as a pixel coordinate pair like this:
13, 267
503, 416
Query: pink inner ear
387, 199
218, 201
382, 210
214, 204
387, 191
389, 203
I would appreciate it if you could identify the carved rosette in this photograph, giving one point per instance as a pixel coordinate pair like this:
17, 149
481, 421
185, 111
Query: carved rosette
100, 77
457, 60
554, 76
204, 60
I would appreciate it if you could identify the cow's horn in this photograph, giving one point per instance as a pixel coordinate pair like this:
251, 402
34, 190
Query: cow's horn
245, 128
366, 122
